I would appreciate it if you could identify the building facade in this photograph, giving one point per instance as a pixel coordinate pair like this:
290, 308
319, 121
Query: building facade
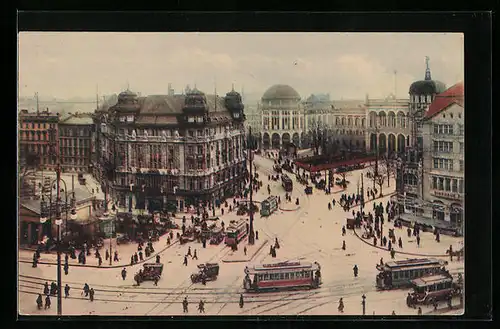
388, 125
344, 120
38, 132
443, 153
75, 142
431, 188
282, 117
165, 151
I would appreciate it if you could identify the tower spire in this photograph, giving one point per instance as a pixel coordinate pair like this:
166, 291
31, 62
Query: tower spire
232, 86
427, 69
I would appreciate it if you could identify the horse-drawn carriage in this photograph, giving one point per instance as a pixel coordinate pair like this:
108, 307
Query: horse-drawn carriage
456, 253
150, 271
190, 234
207, 272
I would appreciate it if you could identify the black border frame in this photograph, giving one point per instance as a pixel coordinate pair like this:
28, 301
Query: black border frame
477, 27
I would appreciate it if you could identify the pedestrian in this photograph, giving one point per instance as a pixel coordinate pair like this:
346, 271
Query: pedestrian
393, 253
157, 259
343, 230
256, 235
389, 245
132, 260
363, 303
418, 241
185, 305
91, 292
201, 306
355, 270
39, 301
115, 259
194, 255
140, 256
419, 311
185, 263
136, 258
99, 260
393, 313
66, 258
124, 273
341, 305
400, 243
189, 251
86, 289
155, 280
46, 290
66, 268
438, 237
241, 301
343, 244
408, 231
245, 250
435, 304
47, 302
66, 290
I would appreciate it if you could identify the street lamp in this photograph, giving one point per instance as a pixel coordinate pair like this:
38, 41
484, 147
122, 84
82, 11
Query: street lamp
251, 236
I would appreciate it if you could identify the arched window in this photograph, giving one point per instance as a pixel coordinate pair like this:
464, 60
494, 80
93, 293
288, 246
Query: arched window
356, 122
343, 121
349, 121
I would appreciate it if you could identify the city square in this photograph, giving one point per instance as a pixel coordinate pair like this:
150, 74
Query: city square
144, 205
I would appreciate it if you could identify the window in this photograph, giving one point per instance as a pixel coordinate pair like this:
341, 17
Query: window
461, 169
447, 185
454, 185
459, 115
461, 148
287, 276
434, 182
190, 133
282, 276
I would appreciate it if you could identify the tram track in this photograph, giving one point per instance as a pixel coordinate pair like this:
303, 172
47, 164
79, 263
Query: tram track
187, 281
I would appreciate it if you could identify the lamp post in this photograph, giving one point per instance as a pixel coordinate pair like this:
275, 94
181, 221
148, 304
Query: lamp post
58, 221
251, 237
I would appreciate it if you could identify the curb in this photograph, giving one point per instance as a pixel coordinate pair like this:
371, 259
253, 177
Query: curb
282, 209
398, 252
106, 267
248, 260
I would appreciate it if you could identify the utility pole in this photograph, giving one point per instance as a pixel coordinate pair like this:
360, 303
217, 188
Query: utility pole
37, 104
251, 237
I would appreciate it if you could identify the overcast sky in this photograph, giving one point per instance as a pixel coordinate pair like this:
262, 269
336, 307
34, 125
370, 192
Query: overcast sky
71, 64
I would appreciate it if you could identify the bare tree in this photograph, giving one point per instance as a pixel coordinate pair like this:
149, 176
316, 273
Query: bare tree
378, 177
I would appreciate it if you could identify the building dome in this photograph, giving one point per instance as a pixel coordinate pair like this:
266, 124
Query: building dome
427, 86
127, 94
281, 92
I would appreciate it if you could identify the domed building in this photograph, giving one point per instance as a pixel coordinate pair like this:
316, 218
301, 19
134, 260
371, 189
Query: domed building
422, 93
170, 152
282, 117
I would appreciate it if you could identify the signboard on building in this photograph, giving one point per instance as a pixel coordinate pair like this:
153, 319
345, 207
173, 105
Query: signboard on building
447, 195
108, 228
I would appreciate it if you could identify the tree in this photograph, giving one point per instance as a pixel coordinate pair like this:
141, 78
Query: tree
378, 178
389, 163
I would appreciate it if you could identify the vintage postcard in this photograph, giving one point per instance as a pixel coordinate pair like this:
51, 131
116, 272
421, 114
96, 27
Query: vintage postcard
251, 174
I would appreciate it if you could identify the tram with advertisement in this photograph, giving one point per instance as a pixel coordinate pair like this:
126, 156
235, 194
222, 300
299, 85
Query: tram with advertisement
235, 232
398, 274
282, 275
287, 183
268, 206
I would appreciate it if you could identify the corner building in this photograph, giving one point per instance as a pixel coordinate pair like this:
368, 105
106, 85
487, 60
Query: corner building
161, 151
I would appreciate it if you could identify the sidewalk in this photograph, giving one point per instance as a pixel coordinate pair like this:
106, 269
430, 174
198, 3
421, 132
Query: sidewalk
238, 256
125, 251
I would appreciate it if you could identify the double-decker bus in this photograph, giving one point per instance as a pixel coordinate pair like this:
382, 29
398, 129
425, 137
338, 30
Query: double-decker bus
287, 183
431, 288
235, 231
282, 275
268, 206
398, 274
